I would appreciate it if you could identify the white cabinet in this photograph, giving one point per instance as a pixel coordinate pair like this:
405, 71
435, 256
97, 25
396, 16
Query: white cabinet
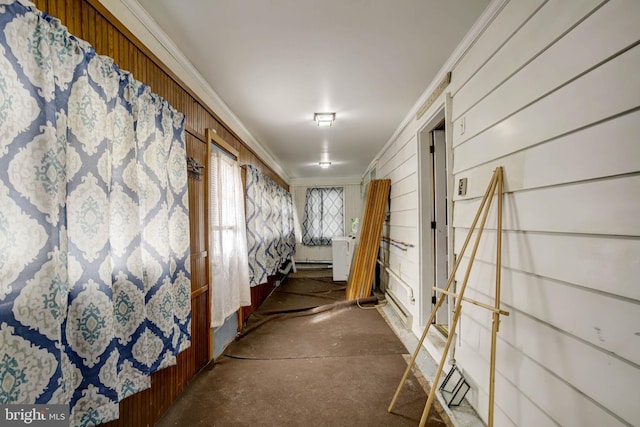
342, 249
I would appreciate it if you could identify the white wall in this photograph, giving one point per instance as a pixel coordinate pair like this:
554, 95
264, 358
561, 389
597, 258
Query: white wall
352, 209
399, 164
555, 109
550, 91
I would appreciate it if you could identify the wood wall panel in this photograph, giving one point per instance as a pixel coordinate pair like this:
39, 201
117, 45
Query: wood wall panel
567, 259
560, 120
366, 252
89, 20
258, 295
505, 24
512, 56
602, 93
197, 150
41, 4
552, 298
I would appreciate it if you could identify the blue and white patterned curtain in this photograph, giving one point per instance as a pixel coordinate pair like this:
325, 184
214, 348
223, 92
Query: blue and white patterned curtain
94, 224
323, 216
270, 233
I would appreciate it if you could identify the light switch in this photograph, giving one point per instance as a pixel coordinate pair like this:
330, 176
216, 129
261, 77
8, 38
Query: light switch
462, 187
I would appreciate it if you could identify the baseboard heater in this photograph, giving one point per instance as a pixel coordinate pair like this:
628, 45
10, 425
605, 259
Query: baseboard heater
400, 310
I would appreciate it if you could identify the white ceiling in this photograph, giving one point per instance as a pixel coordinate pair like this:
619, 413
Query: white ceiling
276, 62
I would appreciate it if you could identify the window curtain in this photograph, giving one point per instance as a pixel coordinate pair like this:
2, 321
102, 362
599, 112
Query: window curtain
94, 224
323, 216
270, 232
229, 263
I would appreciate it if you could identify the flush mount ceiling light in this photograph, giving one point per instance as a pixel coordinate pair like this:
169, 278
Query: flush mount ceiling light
324, 119
324, 165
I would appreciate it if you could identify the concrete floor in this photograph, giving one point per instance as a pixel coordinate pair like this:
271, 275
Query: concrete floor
338, 367
461, 416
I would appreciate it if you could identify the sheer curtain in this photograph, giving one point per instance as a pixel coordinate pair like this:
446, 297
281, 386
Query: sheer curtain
229, 263
94, 224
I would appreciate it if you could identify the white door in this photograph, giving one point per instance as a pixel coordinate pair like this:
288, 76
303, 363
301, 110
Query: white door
439, 225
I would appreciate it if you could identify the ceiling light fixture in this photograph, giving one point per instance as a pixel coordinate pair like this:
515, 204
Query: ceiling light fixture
324, 165
324, 119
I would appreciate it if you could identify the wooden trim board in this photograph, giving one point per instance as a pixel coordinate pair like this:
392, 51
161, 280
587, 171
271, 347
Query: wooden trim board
364, 262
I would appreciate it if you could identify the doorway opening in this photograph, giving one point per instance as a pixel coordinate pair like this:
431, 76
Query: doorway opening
434, 203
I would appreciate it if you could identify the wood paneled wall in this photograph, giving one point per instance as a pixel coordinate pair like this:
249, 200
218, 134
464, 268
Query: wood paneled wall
90, 21
564, 123
567, 137
258, 295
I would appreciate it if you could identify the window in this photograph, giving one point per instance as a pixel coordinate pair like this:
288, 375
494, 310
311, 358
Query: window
323, 216
228, 258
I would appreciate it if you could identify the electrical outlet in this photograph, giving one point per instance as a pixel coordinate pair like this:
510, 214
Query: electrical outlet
462, 187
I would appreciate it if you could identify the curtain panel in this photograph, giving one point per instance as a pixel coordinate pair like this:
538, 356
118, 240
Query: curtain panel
229, 262
323, 215
94, 224
270, 232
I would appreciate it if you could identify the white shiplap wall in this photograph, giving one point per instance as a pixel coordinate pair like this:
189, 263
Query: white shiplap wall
399, 164
550, 90
352, 209
552, 95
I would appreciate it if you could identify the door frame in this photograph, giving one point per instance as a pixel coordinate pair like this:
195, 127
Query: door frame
425, 209
440, 232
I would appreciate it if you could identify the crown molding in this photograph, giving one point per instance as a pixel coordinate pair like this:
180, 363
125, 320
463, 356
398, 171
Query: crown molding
137, 20
323, 181
469, 39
